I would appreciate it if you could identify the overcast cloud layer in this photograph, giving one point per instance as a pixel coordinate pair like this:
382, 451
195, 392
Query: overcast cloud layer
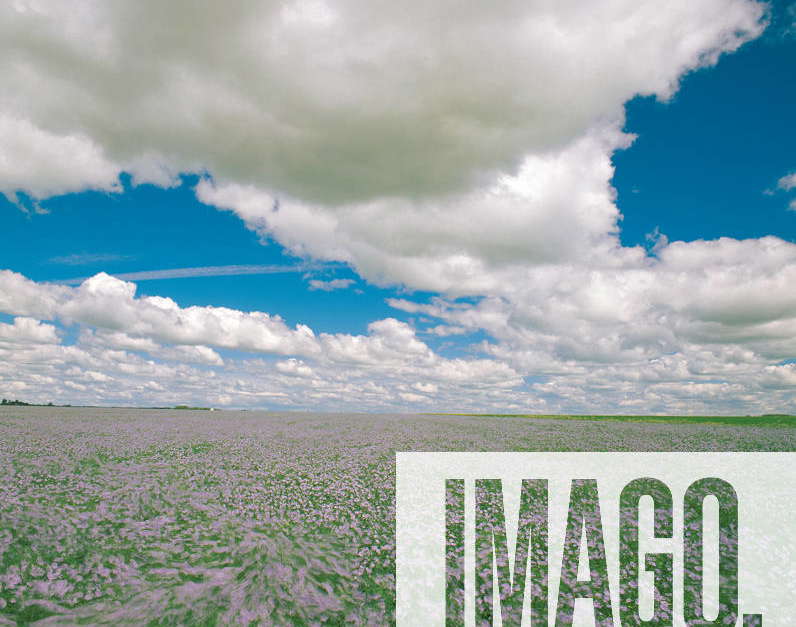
459, 148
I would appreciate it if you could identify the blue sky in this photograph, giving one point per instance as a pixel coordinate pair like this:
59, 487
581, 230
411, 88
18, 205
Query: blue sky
149, 228
702, 160
558, 313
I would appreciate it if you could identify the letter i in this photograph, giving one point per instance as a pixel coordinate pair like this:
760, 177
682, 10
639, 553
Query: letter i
454, 552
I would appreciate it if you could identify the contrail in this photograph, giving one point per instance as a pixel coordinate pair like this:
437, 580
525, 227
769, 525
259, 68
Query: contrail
204, 271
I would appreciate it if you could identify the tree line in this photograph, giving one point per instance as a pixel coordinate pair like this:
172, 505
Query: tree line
7, 401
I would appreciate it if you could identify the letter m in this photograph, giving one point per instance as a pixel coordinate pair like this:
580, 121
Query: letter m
491, 553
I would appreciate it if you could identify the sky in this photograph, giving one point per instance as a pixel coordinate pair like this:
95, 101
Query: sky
513, 207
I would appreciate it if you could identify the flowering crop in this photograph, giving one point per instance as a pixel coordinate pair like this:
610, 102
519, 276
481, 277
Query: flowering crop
115, 516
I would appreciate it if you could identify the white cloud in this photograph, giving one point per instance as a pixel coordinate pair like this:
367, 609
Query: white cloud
21, 296
110, 303
711, 380
445, 330
600, 337
559, 207
787, 182
43, 163
121, 334
28, 331
197, 354
717, 292
425, 388
294, 367
704, 326
389, 341
354, 131
340, 101
330, 286
117, 340
190, 354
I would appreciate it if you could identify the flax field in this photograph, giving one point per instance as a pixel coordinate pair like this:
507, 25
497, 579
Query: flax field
174, 517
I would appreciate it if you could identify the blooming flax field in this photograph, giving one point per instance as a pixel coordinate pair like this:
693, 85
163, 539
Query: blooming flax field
116, 516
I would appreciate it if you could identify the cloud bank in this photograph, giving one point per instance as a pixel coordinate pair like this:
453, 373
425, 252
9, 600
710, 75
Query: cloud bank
680, 334
120, 333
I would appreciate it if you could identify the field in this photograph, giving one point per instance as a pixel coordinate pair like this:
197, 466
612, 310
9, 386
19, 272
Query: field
163, 517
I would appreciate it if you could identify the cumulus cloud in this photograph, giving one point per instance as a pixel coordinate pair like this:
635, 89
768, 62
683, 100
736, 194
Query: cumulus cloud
44, 163
337, 101
361, 132
558, 207
110, 303
294, 367
121, 333
675, 338
389, 341
722, 291
21, 296
28, 331
699, 312
197, 354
